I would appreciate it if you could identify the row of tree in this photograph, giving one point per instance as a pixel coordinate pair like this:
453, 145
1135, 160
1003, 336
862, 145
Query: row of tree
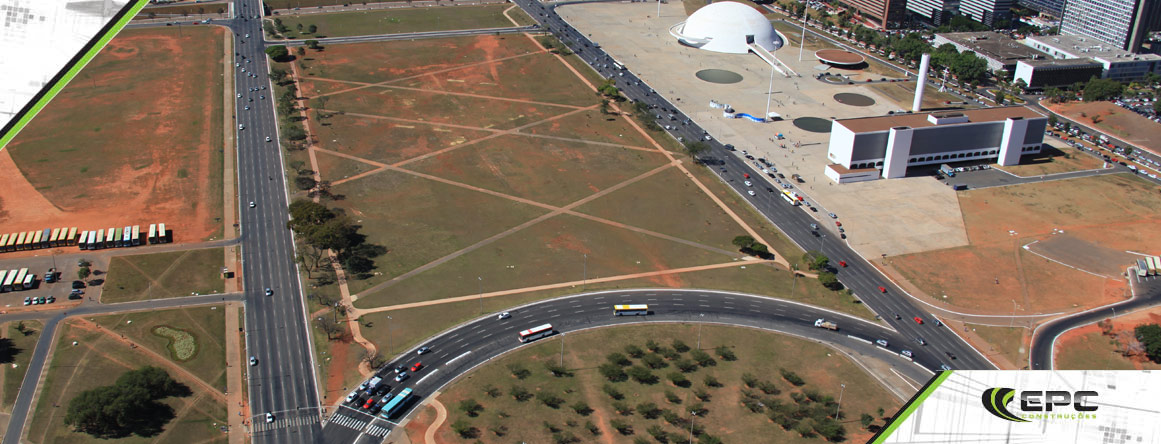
131, 406
322, 229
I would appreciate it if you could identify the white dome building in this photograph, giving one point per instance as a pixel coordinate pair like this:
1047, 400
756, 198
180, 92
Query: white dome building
727, 27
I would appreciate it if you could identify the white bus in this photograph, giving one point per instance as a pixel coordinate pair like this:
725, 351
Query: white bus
152, 233
71, 239
127, 236
111, 238
162, 236
29, 280
18, 283
99, 241
631, 310
535, 333
3, 274
54, 237
9, 280
84, 242
136, 235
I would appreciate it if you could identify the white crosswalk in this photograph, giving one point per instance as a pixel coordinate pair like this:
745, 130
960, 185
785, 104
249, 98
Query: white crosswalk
293, 421
348, 422
377, 431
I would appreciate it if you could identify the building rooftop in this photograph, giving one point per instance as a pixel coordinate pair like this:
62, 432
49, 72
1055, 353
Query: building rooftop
919, 120
1061, 62
1081, 46
994, 45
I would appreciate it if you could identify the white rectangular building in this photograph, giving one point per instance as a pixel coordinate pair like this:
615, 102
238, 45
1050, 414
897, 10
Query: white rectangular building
1117, 64
894, 143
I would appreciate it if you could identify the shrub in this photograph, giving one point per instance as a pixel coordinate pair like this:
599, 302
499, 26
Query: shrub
557, 370
804, 430
711, 381
708, 439
698, 409
669, 353
618, 359
612, 392
465, 429
550, 399
866, 420
582, 408
679, 346
499, 430
685, 365
622, 427
678, 379
642, 375
592, 428
657, 433
725, 353
471, 407
519, 371
702, 358
492, 391
749, 379
672, 397
622, 408
520, 393
768, 388
648, 410
641, 440
792, 377
702, 394
654, 361
672, 418
652, 345
634, 351
552, 428
565, 438
812, 394
612, 372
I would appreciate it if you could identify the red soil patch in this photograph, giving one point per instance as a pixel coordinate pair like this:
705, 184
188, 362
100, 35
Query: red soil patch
1075, 337
140, 127
1122, 123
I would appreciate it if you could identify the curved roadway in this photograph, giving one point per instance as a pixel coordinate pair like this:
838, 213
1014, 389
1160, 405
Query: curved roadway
1040, 353
474, 343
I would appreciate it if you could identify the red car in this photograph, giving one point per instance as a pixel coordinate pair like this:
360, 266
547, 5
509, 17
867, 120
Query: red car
417, 366
882, 289
746, 175
843, 264
370, 402
918, 320
838, 224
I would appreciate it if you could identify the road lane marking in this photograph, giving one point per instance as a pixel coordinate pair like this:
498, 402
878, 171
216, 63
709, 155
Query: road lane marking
868, 341
420, 381
457, 357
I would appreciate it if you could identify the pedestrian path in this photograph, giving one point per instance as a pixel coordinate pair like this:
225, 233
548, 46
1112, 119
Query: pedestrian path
260, 425
348, 422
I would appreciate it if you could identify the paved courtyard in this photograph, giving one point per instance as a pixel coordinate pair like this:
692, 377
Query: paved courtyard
880, 217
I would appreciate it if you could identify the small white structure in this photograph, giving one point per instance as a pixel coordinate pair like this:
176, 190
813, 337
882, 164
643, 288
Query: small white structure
728, 27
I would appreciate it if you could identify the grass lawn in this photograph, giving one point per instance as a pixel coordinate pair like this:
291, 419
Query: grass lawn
181, 10
1053, 160
98, 360
760, 354
164, 275
442, 108
554, 172
163, 160
287, 4
207, 326
333, 168
419, 220
384, 140
551, 251
1008, 342
384, 61
593, 126
397, 20
1094, 351
521, 17
16, 358
903, 93
554, 82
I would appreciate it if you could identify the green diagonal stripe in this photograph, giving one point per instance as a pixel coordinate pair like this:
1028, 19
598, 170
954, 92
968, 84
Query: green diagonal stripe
911, 406
94, 47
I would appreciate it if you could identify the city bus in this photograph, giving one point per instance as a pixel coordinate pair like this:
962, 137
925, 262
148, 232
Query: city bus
127, 236
631, 310
98, 242
10, 244
153, 233
84, 242
4, 243
29, 280
54, 237
18, 283
44, 235
136, 240
110, 237
162, 236
71, 239
397, 403
3, 274
34, 242
535, 333
9, 280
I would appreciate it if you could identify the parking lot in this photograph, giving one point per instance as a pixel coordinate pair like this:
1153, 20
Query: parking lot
59, 290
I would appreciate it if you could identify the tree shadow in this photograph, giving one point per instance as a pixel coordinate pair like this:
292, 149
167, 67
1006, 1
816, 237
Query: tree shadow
8, 351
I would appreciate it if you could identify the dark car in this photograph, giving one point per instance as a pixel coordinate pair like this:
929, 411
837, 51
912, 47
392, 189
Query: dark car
78, 284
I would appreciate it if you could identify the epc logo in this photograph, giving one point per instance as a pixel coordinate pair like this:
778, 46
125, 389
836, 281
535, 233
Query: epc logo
1033, 402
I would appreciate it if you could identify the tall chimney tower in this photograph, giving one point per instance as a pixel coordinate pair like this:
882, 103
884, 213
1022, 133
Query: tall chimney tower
921, 82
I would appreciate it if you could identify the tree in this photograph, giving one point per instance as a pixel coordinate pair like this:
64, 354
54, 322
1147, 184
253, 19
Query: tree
648, 410
374, 359
471, 407
581, 408
550, 399
725, 353
313, 44
634, 351
83, 273
295, 132
1102, 89
642, 375
519, 371
520, 394
465, 429
612, 372
618, 359
743, 242
129, 406
278, 53
829, 280
999, 97
622, 427
300, 51
815, 260
695, 149
312, 28
329, 326
278, 75
1052, 120
1150, 337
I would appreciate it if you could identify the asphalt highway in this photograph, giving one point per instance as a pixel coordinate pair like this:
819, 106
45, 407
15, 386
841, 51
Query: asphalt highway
1040, 353
40, 352
794, 221
283, 381
467, 346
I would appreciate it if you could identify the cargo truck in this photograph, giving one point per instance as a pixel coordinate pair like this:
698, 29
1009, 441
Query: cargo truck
820, 323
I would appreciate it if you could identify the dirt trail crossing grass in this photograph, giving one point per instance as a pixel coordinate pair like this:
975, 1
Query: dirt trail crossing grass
164, 275
396, 20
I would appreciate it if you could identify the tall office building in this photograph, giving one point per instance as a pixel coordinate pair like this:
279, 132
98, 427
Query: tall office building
996, 13
1054, 8
937, 12
888, 14
1124, 24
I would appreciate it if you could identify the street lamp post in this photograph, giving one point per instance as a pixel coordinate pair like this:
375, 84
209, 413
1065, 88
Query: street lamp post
769, 93
839, 406
803, 44
480, 291
388, 335
699, 334
692, 414
585, 276
562, 349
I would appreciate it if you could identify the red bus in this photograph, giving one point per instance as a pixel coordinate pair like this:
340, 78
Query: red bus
535, 333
